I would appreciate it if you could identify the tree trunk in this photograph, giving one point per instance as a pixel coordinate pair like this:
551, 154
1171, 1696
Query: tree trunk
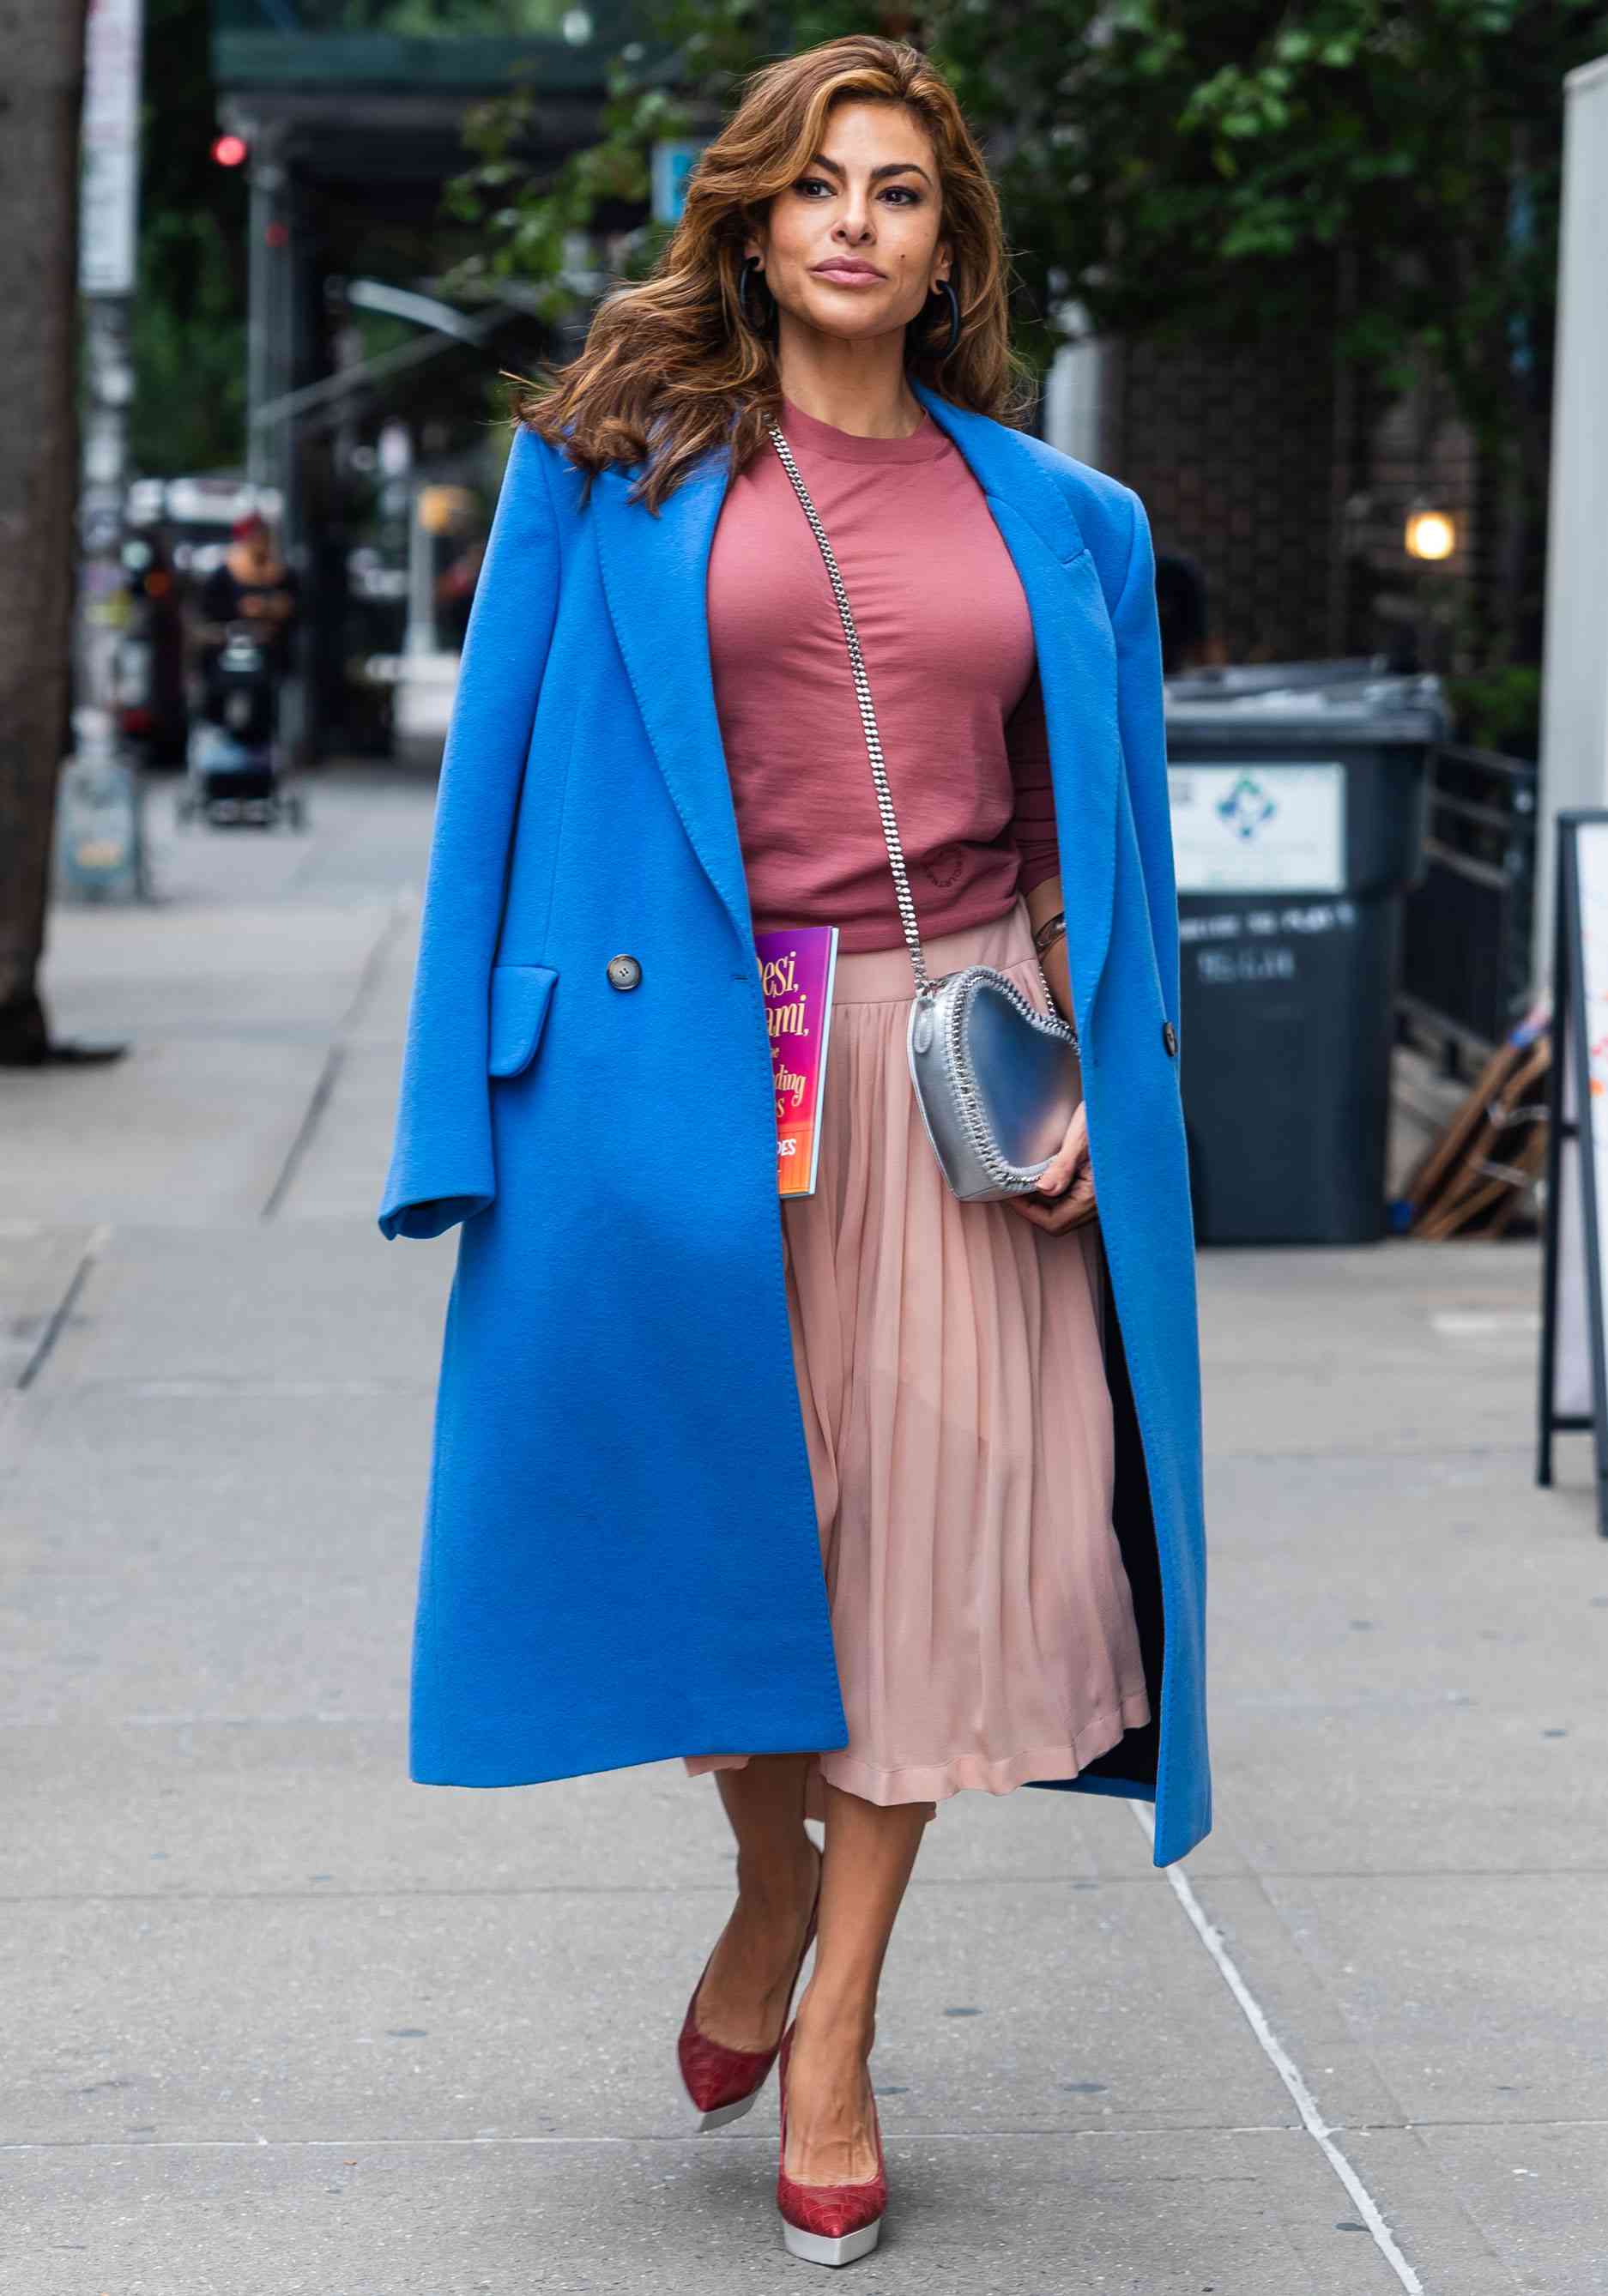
41, 93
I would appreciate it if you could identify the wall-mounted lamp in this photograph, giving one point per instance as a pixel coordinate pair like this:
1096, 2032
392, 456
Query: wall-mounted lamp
1429, 534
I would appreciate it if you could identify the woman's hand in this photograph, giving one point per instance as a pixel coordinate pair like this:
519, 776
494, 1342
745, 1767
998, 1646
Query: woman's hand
1064, 1197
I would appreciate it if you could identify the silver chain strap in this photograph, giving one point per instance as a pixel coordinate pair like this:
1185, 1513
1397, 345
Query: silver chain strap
925, 984
924, 987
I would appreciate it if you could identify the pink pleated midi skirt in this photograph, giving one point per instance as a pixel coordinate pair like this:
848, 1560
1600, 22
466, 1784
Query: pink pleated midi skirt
951, 1374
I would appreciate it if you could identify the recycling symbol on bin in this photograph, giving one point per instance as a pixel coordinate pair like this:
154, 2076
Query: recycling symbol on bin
1246, 807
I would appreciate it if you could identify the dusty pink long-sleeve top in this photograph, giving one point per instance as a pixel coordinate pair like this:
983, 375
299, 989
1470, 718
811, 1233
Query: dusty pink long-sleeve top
948, 645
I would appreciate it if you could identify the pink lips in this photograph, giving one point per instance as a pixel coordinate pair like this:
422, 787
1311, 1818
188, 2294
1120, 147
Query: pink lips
847, 274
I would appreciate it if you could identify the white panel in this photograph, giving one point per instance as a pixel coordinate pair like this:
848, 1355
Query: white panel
1074, 397
1574, 722
1252, 827
111, 148
1571, 1391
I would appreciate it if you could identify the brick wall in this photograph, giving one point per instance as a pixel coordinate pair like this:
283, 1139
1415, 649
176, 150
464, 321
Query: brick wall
1407, 448
1230, 451
1291, 491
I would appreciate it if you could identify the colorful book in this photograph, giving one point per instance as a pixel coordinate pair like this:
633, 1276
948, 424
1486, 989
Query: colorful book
796, 967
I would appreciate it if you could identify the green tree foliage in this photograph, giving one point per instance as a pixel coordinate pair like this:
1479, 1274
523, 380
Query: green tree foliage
1173, 166
189, 349
433, 19
1226, 169
189, 314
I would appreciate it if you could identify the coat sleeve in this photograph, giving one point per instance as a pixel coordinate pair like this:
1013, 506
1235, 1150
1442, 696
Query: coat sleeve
1141, 719
441, 1169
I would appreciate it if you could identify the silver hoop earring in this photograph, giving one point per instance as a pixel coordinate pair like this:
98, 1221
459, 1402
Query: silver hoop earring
765, 324
947, 287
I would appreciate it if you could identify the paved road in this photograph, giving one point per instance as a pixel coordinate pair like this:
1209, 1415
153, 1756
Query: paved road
277, 2020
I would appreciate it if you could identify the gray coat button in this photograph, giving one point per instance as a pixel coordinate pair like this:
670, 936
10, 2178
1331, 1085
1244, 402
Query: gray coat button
1169, 1037
623, 972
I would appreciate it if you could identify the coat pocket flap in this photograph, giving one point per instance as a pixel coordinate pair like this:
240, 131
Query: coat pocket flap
519, 1007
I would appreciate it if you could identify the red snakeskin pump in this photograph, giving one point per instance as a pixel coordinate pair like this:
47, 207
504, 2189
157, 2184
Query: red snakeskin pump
723, 2083
829, 2223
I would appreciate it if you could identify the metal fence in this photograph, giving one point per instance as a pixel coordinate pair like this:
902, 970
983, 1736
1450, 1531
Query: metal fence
1465, 970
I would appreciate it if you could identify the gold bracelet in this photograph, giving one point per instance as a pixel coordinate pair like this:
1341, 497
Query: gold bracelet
1051, 929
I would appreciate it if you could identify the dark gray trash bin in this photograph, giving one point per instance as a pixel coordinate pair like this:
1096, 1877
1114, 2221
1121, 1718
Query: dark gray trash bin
1298, 824
1232, 681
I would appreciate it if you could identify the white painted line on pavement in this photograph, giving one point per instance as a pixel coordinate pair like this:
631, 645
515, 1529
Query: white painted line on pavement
55, 1323
1485, 1323
1283, 2065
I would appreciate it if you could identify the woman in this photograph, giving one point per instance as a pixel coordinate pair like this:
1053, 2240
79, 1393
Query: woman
872, 1496
252, 584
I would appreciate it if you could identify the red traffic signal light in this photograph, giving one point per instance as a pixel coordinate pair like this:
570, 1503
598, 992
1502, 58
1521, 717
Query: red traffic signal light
230, 150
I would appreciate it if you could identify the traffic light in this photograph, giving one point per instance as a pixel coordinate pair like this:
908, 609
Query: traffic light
230, 150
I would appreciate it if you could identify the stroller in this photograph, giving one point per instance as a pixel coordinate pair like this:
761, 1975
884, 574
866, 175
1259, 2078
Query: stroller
233, 773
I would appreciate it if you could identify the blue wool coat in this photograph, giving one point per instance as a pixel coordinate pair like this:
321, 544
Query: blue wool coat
621, 1561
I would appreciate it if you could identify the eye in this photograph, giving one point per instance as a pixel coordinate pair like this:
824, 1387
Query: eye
903, 194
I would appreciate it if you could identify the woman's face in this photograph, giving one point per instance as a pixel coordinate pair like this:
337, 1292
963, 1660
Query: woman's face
851, 247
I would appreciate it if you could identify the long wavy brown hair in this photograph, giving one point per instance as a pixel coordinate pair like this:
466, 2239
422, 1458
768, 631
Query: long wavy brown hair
670, 366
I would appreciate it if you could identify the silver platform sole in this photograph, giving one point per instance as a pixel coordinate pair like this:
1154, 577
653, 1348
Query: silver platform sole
816, 2248
723, 2113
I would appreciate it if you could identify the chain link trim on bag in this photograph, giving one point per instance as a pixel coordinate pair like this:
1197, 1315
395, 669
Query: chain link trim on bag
973, 1116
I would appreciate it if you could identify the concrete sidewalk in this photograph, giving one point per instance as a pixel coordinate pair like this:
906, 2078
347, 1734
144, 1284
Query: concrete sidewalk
277, 2020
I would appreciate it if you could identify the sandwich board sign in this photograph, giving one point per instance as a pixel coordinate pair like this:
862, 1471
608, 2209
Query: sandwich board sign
1574, 1280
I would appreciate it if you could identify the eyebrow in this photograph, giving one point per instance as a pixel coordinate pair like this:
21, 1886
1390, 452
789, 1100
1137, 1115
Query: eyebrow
889, 167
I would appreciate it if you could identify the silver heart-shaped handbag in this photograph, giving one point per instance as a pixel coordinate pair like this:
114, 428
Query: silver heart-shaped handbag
996, 1081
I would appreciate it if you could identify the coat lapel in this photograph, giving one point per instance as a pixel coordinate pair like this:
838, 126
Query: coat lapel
655, 572
1077, 668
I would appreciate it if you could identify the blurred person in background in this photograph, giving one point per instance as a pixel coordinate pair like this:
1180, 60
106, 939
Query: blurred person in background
454, 592
254, 587
876, 1496
1181, 605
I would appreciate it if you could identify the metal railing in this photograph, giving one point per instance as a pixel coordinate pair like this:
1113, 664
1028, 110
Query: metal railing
1466, 963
